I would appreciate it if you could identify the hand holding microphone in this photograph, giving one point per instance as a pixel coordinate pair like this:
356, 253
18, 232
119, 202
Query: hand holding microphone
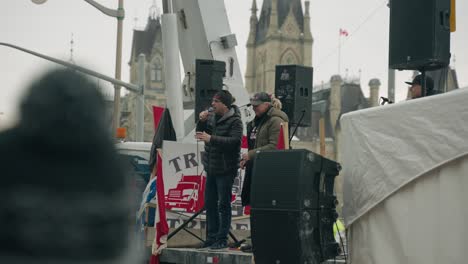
203, 116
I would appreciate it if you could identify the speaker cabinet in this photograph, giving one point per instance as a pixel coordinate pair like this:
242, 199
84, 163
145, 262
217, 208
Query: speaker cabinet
293, 87
292, 180
293, 207
419, 34
293, 236
209, 76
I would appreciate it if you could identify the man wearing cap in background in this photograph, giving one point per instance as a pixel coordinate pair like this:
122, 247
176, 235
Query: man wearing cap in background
262, 134
416, 88
222, 133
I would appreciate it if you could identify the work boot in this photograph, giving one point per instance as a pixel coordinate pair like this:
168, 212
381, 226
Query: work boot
247, 248
208, 243
247, 245
219, 245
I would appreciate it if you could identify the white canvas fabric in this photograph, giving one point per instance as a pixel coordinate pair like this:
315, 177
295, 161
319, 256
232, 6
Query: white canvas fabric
384, 148
424, 222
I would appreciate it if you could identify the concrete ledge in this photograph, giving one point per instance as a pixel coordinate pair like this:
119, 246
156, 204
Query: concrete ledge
199, 256
196, 256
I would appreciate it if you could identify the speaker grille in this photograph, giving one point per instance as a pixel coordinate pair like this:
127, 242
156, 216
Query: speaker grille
293, 87
300, 236
293, 179
292, 198
208, 81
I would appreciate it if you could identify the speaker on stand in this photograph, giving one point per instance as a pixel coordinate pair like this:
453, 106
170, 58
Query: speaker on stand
419, 35
209, 76
293, 87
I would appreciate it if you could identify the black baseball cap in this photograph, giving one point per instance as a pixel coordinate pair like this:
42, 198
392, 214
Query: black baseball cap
417, 81
260, 98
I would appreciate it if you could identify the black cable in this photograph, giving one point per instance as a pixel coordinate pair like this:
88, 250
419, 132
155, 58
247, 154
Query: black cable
345, 252
297, 126
319, 215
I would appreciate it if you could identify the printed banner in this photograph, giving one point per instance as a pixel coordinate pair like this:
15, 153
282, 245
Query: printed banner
184, 182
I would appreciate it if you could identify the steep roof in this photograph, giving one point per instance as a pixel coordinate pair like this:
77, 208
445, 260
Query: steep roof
283, 7
143, 40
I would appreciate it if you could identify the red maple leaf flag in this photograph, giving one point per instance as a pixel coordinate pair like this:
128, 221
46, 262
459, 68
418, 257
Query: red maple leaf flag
160, 223
281, 140
343, 32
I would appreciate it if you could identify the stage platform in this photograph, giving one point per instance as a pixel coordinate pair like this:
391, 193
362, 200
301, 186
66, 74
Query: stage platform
191, 255
202, 256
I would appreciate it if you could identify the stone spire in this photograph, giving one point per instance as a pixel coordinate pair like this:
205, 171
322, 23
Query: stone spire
251, 48
307, 36
273, 27
253, 24
254, 8
307, 31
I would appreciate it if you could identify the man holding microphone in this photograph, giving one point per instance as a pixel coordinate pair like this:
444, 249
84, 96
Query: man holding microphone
221, 130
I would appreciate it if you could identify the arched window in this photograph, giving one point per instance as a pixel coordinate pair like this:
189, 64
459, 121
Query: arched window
156, 70
289, 57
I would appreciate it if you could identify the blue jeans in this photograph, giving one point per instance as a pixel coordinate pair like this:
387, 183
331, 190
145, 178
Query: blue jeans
218, 192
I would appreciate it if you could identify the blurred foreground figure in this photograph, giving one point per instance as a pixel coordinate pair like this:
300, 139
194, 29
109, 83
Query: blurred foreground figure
62, 192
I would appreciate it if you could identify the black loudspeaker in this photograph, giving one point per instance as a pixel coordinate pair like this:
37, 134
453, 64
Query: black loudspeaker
293, 179
209, 76
419, 34
293, 87
293, 207
293, 236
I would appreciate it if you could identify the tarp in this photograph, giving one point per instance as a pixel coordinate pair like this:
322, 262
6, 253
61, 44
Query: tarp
405, 171
424, 222
386, 147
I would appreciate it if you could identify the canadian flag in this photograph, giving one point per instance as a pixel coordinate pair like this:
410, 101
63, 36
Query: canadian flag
160, 222
343, 32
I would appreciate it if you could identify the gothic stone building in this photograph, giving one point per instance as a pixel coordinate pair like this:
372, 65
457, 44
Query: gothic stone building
149, 43
281, 36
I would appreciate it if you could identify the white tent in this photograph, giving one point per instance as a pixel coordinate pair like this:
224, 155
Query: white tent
405, 171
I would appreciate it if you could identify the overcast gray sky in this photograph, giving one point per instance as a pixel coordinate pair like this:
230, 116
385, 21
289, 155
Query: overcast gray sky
48, 28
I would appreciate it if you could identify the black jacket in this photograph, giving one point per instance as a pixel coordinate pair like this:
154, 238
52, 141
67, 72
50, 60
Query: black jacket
222, 153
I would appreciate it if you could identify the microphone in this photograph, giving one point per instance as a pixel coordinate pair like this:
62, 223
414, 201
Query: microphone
385, 100
246, 105
209, 110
